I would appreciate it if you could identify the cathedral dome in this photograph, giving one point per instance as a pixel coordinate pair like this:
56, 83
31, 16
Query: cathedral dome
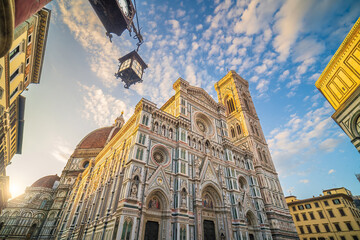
98, 138
46, 182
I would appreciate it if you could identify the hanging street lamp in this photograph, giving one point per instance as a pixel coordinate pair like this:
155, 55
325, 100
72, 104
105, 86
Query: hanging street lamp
131, 68
116, 16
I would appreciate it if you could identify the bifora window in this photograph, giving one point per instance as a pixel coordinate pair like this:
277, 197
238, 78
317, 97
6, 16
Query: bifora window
230, 105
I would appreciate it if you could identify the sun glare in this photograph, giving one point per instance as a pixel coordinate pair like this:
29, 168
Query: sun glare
15, 190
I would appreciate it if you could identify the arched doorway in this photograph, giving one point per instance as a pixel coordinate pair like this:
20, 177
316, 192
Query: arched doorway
212, 217
251, 223
156, 216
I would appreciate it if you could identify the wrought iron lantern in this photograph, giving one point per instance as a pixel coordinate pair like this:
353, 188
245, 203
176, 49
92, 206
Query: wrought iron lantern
131, 68
115, 15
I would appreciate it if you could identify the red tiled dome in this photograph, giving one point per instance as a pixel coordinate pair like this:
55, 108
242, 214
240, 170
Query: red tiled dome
98, 138
47, 181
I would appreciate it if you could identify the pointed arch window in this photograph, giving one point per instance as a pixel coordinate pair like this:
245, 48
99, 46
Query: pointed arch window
246, 104
183, 233
232, 132
126, 233
264, 157
238, 128
230, 105
260, 155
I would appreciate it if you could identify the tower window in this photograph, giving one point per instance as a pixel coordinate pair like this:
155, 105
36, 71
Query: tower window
230, 105
238, 129
232, 132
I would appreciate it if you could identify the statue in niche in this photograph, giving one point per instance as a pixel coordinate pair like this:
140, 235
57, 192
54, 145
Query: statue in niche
134, 190
171, 133
197, 167
183, 198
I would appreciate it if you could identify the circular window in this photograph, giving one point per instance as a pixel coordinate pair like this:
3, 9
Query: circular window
204, 124
201, 125
85, 164
159, 157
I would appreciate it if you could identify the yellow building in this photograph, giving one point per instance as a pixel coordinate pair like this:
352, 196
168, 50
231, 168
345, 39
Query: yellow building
18, 68
339, 83
332, 215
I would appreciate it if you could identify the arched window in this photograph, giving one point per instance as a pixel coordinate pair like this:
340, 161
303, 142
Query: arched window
260, 155
232, 132
126, 233
43, 204
230, 105
182, 232
238, 129
163, 130
264, 157
246, 103
256, 130
252, 128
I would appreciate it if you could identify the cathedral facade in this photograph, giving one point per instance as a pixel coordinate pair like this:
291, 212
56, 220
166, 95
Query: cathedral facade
192, 169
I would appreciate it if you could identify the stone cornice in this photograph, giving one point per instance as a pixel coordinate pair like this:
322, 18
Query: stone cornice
339, 54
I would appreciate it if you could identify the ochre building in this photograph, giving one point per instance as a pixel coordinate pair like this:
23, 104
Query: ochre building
330, 216
18, 68
191, 169
339, 83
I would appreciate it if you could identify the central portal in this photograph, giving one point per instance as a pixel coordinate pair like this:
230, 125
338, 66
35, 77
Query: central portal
209, 230
151, 230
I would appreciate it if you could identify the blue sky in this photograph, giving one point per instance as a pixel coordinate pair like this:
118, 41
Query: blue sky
280, 47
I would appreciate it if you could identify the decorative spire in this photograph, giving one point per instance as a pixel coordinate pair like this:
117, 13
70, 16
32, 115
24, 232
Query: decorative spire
119, 121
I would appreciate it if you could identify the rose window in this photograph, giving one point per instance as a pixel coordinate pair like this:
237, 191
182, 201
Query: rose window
201, 126
159, 157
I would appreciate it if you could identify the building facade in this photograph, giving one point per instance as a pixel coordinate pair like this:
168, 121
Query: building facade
339, 83
330, 216
18, 68
191, 169
25, 215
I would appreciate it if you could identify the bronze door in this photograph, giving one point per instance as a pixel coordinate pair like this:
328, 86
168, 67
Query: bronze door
209, 230
151, 230
251, 236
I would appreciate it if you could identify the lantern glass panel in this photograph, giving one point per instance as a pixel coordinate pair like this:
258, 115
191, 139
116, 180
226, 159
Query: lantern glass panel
137, 68
125, 64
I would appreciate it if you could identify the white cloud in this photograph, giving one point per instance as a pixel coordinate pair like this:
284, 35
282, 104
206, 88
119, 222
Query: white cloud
199, 27
329, 145
289, 23
262, 86
307, 48
300, 137
103, 108
89, 32
331, 171
304, 181
62, 151
256, 18
293, 83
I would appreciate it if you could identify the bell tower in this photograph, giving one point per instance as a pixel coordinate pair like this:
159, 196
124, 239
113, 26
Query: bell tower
243, 122
245, 131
